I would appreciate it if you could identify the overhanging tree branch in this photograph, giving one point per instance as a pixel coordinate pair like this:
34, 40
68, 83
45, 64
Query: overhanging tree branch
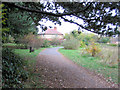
94, 15
36, 23
77, 24
43, 12
85, 19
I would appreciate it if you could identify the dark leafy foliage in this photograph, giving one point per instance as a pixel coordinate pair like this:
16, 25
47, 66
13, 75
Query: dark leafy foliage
97, 17
104, 40
18, 23
112, 44
13, 73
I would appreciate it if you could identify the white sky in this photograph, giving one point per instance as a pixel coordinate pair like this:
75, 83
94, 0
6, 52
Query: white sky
65, 27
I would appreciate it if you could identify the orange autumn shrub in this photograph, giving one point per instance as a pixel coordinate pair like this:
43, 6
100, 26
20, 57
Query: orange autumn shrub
93, 49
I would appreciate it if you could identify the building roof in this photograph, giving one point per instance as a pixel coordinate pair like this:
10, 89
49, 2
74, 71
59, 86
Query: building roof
52, 32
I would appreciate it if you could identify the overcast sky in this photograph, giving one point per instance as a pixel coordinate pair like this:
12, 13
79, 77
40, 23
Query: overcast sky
65, 27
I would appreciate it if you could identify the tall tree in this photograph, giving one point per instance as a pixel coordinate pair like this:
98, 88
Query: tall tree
97, 17
18, 22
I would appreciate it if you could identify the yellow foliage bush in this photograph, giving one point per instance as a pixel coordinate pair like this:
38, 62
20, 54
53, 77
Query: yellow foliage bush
93, 49
82, 44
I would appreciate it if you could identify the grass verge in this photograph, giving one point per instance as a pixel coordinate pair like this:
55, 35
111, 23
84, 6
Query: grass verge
13, 45
92, 63
30, 60
9, 44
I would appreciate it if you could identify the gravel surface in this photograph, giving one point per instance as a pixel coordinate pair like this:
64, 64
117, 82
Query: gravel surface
59, 72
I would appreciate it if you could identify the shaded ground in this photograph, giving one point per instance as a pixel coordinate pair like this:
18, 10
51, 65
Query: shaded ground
56, 71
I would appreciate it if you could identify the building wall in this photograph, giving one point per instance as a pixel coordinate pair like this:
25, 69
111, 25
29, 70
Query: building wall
51, 36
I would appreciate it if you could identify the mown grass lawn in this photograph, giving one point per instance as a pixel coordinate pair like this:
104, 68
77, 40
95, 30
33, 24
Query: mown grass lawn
30, 61
91, 63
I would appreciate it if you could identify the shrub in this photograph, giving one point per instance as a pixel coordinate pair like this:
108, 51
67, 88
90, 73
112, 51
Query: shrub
21, 46
86, 38
46, 43
113, 44
71, 44
68, 36
55, 42
31, 40
92, 49
75, 33
38, 42
82, 44
13, 73
118, 44
17, 40
28, 40
10, 39
104, 40
109, 55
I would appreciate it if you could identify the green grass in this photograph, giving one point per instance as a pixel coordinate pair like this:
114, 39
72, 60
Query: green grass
91, 63
13, 45
25, 52
9, 44
30, 61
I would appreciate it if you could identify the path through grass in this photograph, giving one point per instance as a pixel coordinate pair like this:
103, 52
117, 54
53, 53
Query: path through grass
91, 63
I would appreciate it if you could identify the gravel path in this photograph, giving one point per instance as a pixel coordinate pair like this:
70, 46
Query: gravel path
60, 72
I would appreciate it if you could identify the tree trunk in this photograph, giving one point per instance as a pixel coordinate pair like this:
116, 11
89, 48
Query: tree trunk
31, 49
93, 53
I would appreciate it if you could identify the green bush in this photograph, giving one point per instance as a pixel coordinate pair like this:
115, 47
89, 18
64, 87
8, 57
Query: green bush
82, 44
55, 42
46, 43
104, 40
13, 73
10, 39
38, 43
86, 38
67, 36
71, 44
118, 44
113, 44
